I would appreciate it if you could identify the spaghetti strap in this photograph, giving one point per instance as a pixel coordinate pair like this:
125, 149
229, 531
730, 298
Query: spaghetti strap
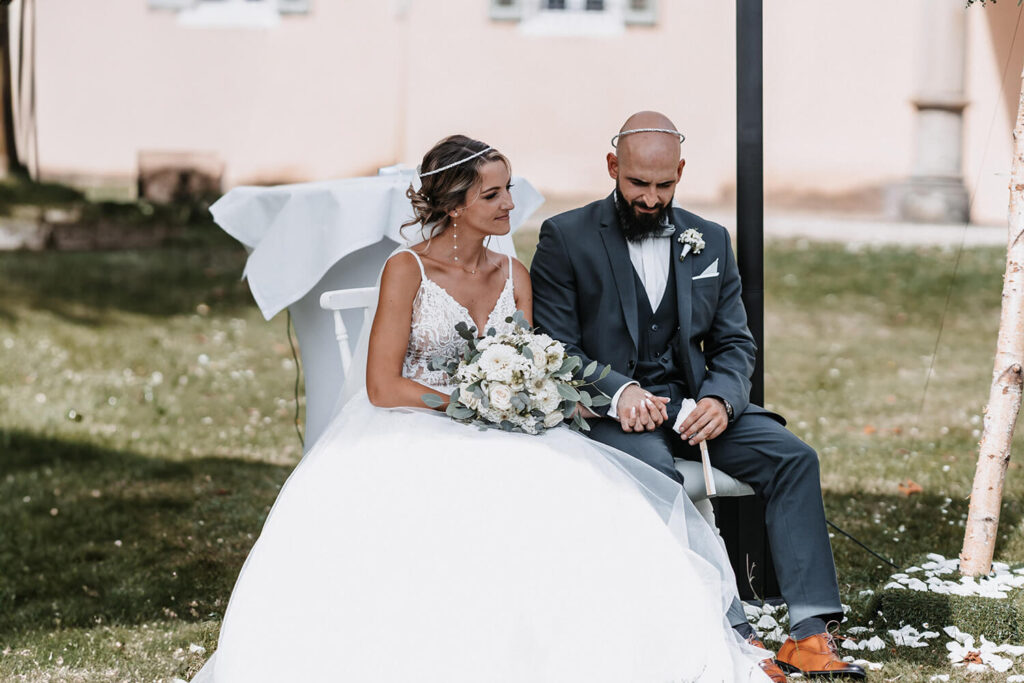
510, 266
423, 273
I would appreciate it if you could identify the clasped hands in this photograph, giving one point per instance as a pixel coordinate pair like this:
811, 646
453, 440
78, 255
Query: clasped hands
639, 410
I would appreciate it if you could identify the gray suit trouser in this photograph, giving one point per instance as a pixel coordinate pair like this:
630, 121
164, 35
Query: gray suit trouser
784, 471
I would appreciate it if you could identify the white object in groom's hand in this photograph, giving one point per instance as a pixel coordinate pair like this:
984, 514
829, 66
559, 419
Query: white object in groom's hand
687, 407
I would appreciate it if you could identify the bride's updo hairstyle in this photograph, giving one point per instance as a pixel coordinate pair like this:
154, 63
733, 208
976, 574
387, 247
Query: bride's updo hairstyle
444, 191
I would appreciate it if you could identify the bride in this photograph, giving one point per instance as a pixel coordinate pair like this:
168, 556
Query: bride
409, 547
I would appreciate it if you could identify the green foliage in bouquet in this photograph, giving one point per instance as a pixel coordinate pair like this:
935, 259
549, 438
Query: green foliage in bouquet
521, 381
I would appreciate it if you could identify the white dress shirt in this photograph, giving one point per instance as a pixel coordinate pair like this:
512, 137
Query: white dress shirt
650, 259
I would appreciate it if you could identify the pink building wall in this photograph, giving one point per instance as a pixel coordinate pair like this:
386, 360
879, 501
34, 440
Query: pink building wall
357, 84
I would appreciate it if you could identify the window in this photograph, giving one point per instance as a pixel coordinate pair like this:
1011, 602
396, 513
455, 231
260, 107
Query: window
574, 17
641, 12
232, 13
504, 10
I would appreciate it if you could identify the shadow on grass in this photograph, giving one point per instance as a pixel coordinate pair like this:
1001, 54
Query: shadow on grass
82, 287
876, 520
93, 536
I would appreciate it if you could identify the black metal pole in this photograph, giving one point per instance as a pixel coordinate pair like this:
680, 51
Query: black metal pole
742, 520
750, 175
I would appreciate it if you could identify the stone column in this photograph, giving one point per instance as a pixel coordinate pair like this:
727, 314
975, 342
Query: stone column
935, 191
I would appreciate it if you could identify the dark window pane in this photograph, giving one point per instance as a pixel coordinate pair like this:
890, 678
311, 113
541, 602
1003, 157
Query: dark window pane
596, 5
555, 4
505, 3
638, 5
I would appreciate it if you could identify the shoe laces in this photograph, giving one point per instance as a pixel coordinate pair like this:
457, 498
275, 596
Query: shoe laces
831, 635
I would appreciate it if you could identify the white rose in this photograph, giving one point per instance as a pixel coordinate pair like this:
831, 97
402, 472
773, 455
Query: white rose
497, 362
540, 354
469, 399
500, 396
553, 419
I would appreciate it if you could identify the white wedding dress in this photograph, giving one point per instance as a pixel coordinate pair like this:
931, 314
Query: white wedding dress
409, 547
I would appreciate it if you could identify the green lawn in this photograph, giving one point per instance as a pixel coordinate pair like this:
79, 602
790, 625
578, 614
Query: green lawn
146, 425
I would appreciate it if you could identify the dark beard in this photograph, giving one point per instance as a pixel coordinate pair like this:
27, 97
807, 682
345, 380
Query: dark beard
636, 227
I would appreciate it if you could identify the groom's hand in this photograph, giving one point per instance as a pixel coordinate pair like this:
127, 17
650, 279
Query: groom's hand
708, 420
639, 410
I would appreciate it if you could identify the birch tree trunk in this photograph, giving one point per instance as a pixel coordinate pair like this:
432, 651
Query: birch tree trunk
1005, 395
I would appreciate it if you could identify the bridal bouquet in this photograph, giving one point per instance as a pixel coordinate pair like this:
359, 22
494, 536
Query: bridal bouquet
519, 382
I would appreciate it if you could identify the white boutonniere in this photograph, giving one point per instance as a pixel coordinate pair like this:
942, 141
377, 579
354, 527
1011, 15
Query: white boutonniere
691, 241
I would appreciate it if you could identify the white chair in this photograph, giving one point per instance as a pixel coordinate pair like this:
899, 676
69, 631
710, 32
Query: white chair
338, 300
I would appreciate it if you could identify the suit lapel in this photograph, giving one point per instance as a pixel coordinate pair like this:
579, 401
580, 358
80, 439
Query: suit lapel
622, 267
684, 288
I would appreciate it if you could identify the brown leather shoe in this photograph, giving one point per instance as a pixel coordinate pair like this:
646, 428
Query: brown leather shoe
768, 666
816, 656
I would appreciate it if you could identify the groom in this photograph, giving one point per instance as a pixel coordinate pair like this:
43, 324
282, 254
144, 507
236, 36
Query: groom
654, 292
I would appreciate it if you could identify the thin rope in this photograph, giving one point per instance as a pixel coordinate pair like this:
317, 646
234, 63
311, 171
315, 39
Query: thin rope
298, 374
963, 233
850, 536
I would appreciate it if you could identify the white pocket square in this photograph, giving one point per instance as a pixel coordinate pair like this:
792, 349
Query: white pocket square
710, 271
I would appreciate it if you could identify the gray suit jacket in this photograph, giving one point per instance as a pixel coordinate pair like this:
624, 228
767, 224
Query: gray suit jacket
585, 296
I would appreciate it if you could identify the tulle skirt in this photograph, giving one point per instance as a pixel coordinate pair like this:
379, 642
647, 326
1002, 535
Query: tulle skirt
407, 547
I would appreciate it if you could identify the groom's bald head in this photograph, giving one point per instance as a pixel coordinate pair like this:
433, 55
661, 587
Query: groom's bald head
646, 167
646, 145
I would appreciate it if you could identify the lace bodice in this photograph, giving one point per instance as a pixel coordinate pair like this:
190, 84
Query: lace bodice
434, 315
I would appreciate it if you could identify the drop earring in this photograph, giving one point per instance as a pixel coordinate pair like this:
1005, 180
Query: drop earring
455, 236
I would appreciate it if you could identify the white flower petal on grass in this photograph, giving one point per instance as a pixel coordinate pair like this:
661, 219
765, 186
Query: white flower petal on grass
766, 622
192, 647
939, 677
1015, 679
872, 644
1012, 650
865, 664
955, 633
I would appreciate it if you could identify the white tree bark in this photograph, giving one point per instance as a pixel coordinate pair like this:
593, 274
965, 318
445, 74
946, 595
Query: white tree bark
1005, 395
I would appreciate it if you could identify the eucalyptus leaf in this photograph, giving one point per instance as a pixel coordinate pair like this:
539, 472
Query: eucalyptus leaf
600, 400
591, 367
566, 391
432, 400
461, 412
604, 373
527, 353
585, 399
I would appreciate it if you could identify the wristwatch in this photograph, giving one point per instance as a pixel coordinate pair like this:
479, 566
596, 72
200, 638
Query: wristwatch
728, 408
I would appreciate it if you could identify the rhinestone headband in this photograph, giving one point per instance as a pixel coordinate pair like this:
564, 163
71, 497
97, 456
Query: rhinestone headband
615, 139
460, 161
